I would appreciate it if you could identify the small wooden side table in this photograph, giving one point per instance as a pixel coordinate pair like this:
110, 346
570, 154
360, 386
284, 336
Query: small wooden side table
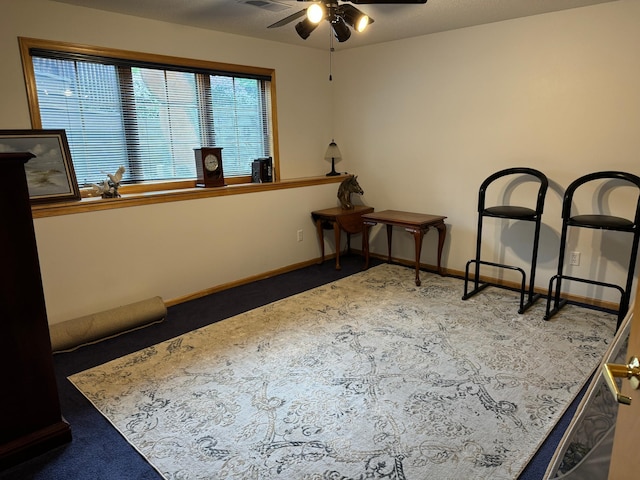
416, 223
338, 218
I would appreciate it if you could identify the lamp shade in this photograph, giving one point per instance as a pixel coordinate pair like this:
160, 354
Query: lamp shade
333, 155
333, 152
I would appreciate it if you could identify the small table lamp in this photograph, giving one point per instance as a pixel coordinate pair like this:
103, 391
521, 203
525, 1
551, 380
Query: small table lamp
333, 154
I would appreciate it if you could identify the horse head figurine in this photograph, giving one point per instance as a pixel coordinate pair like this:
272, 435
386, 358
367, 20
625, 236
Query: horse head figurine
347, 187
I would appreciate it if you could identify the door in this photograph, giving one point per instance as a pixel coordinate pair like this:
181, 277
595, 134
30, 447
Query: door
625, 460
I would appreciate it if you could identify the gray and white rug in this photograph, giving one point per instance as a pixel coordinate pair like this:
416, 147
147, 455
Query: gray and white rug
369, 377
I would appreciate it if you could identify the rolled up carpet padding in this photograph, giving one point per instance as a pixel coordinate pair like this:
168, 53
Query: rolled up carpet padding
80, 331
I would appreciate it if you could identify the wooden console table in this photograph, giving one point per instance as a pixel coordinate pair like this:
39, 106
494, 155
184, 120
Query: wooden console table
416, 223
338, 218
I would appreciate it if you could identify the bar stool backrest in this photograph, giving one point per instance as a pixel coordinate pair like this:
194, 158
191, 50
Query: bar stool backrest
508, 211
610, 175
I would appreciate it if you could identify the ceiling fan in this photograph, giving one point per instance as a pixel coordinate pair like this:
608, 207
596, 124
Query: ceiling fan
340, 16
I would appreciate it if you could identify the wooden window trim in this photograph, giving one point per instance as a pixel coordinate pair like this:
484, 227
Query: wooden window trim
146, 192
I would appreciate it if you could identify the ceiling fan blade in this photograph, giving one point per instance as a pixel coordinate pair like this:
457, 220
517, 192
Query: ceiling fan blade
385, 2
288, 19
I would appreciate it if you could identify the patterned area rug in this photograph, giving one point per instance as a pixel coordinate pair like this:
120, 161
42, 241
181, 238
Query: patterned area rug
370, 377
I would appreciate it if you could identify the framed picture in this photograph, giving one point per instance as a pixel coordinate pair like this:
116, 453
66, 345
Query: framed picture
50, 175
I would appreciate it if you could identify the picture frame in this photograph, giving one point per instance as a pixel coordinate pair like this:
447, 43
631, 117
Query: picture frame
50, 175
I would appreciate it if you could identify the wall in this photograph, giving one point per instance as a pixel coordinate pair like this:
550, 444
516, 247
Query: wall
434, 116
95, 261
556, 92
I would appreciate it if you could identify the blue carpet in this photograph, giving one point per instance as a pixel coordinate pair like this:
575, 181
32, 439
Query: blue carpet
99, 452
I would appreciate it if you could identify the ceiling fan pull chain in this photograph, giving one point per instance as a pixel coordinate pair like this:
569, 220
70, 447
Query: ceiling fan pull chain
330, 55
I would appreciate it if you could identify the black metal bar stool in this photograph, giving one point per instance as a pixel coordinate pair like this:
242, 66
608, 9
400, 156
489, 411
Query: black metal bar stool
596, 221
511, 212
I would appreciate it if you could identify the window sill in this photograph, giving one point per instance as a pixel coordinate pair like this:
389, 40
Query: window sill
134, 199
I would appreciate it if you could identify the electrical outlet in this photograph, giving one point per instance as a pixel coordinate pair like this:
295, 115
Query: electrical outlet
300, 235
574, 258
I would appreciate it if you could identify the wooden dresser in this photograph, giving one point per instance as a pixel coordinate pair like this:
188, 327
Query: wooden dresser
30, 418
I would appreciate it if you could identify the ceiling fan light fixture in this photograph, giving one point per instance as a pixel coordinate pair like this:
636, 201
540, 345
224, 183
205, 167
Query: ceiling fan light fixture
355, 18
315, 13
362, 23
340, 29
305, 27
341, 16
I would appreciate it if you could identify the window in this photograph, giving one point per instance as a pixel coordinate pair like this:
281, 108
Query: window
148, 112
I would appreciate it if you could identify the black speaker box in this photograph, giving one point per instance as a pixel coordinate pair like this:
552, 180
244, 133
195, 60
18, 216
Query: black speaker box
262, 170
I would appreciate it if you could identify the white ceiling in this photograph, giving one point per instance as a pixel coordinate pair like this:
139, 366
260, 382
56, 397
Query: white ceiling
392, 22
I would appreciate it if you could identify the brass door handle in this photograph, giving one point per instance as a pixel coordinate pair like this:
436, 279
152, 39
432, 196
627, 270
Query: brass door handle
630, 371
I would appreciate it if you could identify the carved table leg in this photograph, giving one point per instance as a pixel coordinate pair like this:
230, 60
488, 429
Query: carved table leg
366, 226
389, 234
418, 235
321, 239
336, 230
442, 232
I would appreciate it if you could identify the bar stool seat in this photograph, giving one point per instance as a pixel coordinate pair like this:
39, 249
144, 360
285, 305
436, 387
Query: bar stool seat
513, 212
606, 222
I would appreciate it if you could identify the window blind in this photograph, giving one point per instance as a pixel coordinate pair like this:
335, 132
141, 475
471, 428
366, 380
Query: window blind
150, 117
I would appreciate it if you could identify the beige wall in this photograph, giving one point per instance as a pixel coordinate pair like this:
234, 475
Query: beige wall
556, 92
421, 121
95, 261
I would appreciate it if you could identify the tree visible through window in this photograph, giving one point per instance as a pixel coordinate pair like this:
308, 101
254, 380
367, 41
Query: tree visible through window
150, 116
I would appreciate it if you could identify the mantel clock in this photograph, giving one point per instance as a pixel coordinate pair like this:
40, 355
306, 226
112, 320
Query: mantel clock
209, 167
